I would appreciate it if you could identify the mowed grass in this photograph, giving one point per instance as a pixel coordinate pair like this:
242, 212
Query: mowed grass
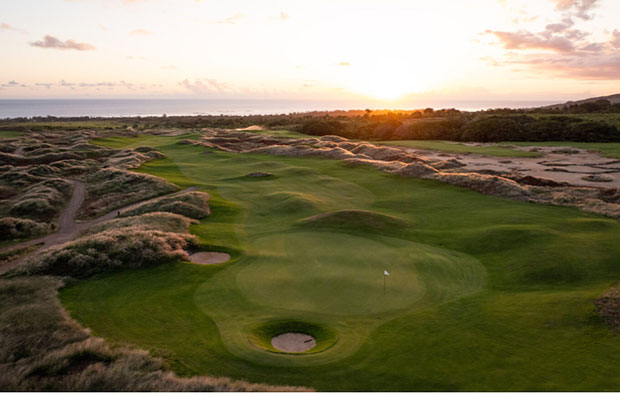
458, 148
609, 150
6, 134
483, 293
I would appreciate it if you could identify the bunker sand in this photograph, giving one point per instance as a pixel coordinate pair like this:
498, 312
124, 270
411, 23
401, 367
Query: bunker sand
293, 342
209, 258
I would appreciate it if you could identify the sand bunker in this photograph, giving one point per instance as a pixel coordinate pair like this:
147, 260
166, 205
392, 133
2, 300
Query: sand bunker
209, 258
293, 342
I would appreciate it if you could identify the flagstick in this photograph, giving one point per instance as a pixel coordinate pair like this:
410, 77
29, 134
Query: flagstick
384, 284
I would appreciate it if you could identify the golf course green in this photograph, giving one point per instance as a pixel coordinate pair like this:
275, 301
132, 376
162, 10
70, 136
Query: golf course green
483, 293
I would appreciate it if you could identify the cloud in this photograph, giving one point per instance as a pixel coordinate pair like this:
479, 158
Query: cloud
206, 86
13, 84
169, 67
561, 49
231, 20
526, 40
141, 32
582, 68
52, 42
284, 16
6, 26
615, 41
344, 64
580, 8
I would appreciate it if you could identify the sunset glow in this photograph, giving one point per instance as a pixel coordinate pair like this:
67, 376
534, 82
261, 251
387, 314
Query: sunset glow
388, 50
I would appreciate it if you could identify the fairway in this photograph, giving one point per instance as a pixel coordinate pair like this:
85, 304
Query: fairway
482, 294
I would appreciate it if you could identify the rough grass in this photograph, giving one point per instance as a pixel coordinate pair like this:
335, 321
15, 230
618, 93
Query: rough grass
165, 222
18, 228
192, 204
42, 201
459, 148
110, 188
112, 250
41, 349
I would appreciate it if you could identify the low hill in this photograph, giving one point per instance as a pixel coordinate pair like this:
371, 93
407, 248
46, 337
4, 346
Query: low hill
613, 99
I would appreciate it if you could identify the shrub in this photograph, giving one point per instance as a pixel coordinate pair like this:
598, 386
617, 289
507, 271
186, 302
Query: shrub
109, 189
189, 204
493, 129
18, 228
126, 248
166, 222
42, 349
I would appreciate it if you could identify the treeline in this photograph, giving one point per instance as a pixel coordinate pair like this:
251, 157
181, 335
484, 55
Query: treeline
467, 128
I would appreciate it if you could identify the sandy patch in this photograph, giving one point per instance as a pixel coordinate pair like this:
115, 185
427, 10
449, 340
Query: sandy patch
293, 342
253, 127
209, 258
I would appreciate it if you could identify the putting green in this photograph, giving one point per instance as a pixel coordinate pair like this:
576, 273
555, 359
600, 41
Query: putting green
341, 274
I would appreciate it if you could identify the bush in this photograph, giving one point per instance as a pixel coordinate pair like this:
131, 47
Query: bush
189, 204
18, 228
126, 248
493, 129
109, 189
166, 222
322, 127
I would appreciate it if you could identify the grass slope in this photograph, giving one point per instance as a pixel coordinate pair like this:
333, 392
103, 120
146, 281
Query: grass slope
483, 293
458, 148
5, 134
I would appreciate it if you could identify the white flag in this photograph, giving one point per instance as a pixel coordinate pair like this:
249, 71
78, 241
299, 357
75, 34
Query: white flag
385, 273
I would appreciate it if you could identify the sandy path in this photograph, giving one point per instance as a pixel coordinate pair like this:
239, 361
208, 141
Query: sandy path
68, 228
553, 164
293, 342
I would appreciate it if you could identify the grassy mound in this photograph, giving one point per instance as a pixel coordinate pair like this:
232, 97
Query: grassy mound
291, 202
189, 204
126, 248
109, 189
43, 200
165, 222
262, 334
18, 228
355, 220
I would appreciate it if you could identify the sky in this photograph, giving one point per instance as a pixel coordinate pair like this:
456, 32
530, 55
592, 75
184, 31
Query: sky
388, 50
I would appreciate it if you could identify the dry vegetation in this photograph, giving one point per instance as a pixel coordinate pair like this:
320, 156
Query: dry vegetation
42, 349
166, 222
18, 228
190, 204
113, 250
608, 307
112, 188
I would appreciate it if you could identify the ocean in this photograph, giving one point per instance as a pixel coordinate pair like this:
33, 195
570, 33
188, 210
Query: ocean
10, 108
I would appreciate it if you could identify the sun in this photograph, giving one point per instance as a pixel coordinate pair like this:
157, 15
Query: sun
388, 83
389, 87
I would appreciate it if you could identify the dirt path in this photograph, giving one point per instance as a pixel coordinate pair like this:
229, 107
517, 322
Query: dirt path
561, 164
68, 228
